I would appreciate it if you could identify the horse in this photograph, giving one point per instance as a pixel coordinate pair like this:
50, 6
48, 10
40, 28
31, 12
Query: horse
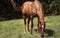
31, 9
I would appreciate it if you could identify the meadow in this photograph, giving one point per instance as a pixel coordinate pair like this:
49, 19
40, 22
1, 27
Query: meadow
15, 28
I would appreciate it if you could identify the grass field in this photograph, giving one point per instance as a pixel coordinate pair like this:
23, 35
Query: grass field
14, 28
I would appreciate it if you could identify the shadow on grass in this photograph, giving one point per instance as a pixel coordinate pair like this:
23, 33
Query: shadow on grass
49, 32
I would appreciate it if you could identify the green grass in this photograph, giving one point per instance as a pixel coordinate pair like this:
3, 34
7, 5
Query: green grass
14, 28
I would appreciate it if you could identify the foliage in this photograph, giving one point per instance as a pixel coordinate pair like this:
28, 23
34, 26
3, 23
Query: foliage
51, 7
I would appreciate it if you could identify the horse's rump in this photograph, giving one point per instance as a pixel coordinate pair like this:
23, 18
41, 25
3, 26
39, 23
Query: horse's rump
27, 7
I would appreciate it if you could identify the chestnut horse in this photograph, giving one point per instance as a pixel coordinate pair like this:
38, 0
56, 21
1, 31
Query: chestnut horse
31, 9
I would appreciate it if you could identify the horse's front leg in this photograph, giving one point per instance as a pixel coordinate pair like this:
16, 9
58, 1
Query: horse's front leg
24, 17
39, 26
42, 30
42, 27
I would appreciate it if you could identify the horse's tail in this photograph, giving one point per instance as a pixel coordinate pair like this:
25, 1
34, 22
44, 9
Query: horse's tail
14, 5
20, 8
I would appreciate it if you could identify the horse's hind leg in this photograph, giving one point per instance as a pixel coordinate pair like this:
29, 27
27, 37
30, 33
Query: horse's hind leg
24, 17
31, 18
28, 23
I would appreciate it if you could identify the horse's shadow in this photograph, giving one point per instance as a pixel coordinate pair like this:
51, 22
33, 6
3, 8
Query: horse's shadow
49, 32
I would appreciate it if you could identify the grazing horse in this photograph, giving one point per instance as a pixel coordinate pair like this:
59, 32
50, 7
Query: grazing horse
40, 14
31, 9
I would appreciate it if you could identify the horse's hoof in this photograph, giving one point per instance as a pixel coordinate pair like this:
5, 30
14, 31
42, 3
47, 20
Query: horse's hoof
42, 35
31, 33
28, 30
38, 31
24, 32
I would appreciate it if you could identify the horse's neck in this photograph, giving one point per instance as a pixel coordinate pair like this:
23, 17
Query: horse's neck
35, 0
37, 4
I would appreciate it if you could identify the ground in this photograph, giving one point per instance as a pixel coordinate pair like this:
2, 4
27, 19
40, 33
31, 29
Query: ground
14, 28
